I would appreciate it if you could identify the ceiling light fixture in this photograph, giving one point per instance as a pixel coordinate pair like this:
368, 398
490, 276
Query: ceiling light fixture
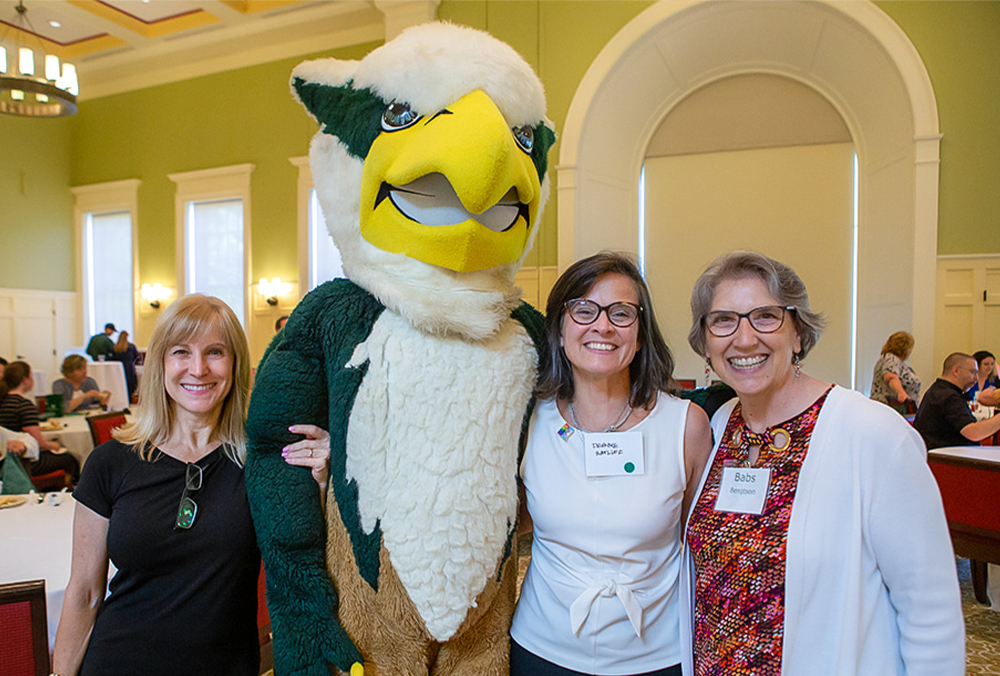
45, 91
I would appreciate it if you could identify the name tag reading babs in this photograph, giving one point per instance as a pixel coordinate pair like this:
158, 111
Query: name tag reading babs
743, 490
614, 454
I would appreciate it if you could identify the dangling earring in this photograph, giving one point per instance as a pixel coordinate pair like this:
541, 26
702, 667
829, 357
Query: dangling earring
797, 364
708, 370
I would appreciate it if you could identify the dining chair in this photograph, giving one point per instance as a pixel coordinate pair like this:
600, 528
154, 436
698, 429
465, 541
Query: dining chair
43, 483
102, 425
24, 642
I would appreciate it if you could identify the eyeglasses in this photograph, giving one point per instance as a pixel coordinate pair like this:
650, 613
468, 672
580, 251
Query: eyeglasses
585, 312
767, 319
188, 509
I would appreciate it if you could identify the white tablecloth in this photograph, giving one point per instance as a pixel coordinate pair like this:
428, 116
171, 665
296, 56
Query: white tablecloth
110, 377
36, 542
73, 433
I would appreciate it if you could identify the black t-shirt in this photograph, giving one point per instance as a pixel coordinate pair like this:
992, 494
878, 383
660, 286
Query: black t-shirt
942, 414
182, 601
16, 413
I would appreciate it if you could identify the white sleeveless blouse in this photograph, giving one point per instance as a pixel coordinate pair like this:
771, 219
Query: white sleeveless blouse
600, 595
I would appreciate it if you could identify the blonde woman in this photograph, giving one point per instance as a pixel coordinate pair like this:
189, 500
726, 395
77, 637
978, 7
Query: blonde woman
165, 502
894, 382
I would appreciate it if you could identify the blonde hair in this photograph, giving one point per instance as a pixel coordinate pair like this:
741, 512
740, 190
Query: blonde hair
899, 344
122, 344
188, 317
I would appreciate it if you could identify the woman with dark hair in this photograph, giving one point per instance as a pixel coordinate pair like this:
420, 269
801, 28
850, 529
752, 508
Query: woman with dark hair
127, 354
184, 597
818, 539
611, 463
894, 382
984, 390
19, 413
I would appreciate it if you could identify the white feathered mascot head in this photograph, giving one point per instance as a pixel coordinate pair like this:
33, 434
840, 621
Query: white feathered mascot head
430, 165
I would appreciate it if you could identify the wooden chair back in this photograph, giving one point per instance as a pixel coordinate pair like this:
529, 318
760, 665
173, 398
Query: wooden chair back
24, 641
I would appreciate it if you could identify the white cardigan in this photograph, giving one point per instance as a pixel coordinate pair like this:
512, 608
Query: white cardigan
870, 581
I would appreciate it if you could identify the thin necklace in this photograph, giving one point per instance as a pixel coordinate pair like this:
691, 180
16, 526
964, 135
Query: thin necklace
623, 415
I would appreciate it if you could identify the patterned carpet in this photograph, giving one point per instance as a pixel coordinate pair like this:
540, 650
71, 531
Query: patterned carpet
982, 628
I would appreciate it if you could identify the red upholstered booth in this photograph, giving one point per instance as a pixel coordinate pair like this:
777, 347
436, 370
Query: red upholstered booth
969, 480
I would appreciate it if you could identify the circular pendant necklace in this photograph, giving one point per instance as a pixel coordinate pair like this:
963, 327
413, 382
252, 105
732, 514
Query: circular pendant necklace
623, 415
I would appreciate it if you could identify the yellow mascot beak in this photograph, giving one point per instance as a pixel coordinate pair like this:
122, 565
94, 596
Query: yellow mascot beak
453, 189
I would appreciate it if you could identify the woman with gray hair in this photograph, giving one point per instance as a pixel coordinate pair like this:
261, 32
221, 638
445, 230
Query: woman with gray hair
818, 539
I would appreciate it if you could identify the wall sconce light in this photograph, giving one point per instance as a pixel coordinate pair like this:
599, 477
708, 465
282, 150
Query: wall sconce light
270, 290
154, 293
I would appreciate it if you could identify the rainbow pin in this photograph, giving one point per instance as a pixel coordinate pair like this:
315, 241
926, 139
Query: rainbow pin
566, 431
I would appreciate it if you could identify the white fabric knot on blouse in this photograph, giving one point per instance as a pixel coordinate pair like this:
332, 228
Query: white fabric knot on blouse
580, 609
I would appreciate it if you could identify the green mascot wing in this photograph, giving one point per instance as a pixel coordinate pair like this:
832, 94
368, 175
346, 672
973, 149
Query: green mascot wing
301, 380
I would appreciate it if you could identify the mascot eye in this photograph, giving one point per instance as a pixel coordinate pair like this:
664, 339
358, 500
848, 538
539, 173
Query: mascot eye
525, 137
398, 116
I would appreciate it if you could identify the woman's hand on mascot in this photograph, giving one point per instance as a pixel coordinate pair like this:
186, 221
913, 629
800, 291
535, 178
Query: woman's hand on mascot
313, 452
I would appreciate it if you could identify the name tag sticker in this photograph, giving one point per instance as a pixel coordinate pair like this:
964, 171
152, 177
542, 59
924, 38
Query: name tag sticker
743, 490
614, 454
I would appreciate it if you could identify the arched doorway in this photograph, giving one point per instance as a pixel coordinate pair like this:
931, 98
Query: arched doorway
852, 54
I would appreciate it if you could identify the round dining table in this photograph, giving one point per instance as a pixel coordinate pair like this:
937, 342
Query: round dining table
36, 539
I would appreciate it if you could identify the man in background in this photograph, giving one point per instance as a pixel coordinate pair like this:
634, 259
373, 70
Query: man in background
944, 417
101, 345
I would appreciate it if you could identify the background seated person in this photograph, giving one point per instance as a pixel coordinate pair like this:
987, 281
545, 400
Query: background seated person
944, 417
79, 392
18, 413
20, 444
984, 390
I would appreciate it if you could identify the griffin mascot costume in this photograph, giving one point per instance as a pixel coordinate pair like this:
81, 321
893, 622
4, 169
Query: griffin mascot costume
430, 165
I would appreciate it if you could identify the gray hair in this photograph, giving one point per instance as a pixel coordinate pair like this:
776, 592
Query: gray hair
781, 281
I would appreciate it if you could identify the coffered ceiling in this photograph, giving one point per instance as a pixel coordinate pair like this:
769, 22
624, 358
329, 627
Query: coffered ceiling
122, 45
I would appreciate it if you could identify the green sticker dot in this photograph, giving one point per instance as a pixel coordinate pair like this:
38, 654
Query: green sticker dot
629, 467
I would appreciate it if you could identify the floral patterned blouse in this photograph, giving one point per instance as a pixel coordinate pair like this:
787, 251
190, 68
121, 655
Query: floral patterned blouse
739, 558
890, 363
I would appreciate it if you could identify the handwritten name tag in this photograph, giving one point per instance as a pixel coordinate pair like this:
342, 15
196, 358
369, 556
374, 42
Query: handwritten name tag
743, 490
614, 454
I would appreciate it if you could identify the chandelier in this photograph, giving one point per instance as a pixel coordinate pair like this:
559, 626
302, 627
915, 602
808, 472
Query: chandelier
33, 88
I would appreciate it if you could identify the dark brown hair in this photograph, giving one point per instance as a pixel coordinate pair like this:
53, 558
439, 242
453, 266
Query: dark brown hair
652, 366
14, 374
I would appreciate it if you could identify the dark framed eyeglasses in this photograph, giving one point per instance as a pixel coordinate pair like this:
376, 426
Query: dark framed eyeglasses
766, 319
584, 312
188, 509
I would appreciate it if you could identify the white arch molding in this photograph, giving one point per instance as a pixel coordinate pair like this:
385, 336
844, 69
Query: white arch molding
850, 52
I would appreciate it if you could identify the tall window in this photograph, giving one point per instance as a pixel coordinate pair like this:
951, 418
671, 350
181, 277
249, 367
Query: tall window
107, 263
324, 257
214, 251
319, 259
106, 227
212, 209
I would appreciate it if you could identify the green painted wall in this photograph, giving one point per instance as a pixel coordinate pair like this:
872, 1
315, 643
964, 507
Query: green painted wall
560, 39
959, 43
248, 116
36, 208
241, 116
